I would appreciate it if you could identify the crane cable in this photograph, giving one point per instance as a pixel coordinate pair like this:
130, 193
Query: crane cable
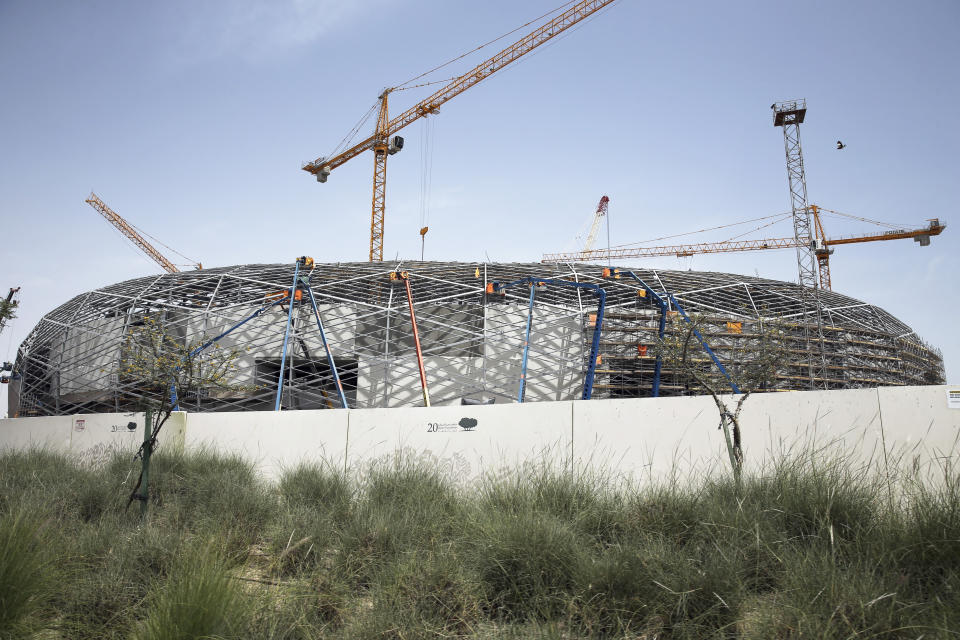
352, 134
690, 233
581, 235
486, 44
776, 218
763, 226
427, 136
128, 243
889, 225
190, 261
425, 84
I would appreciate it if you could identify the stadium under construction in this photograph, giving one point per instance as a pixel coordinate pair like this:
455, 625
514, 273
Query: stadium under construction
369, 334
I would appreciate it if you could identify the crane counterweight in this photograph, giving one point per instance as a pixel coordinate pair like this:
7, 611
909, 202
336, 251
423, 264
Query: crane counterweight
396, 144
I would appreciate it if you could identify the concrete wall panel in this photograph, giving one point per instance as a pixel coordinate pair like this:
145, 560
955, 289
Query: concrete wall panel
92, 436
503, 436
659, 438
647, 438
920, 425
273, 440
22, 433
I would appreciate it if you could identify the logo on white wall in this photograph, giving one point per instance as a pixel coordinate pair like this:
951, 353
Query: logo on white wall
79, 424
465, 424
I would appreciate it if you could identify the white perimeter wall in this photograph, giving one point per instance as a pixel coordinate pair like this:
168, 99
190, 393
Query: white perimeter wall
645, 438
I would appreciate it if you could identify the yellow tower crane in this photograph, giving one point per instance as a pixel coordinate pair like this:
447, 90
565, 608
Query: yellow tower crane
822, 245
384, 140
127, 229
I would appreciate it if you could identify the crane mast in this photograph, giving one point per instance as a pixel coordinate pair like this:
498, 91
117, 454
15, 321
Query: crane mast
384, 142
789, 115
381, 148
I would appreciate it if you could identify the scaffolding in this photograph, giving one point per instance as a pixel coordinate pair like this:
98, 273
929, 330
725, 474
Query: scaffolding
473, 336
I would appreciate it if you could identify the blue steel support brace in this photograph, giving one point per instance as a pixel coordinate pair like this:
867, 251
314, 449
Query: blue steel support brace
595, 345
703, 341
658, 367
173, 391
323, 339
706, 347
526, 346
286, 336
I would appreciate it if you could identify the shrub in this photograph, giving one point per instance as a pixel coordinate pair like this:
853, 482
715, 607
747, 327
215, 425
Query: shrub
527, 563
317, 487
213, 493
199, 600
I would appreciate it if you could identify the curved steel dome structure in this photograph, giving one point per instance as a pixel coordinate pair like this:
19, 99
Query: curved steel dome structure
473, 337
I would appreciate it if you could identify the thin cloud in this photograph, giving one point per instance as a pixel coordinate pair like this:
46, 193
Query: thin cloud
263, 29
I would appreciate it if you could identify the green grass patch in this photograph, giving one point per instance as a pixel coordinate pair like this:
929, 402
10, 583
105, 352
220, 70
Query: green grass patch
808, 548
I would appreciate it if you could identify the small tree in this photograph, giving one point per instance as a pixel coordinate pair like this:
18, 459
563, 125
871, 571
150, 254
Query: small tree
166, 370
8, 309
751, 361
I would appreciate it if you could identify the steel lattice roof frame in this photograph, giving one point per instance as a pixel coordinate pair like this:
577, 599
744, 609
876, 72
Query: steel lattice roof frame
69, 362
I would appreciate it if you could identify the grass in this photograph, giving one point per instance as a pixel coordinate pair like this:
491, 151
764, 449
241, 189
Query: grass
808, 548
25, 575
198, 600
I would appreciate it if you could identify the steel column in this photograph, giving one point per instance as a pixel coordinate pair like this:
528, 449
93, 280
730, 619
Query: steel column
526, 346
286, 335
326, 346
416, 342
595, 345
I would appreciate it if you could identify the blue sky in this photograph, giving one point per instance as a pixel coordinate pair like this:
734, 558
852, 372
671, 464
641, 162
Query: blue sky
192, 120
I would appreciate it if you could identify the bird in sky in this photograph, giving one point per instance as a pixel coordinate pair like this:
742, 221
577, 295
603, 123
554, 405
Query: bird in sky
840, 145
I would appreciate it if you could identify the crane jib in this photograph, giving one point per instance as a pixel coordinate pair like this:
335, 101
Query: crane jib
460, 84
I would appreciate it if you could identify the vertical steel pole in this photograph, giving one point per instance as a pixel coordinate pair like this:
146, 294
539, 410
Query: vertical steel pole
594, 346
326, 346
144, 496
416, 342
658, 367
286, 336
526, 345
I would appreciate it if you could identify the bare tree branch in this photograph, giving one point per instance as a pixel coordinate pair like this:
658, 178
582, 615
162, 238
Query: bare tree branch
752, 358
